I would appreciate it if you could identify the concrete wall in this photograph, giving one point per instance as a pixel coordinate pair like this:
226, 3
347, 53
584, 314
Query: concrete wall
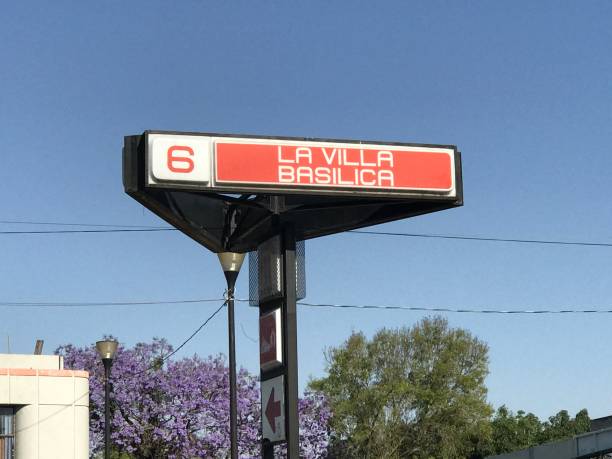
52, 407
522, 454
565, 449
39, 362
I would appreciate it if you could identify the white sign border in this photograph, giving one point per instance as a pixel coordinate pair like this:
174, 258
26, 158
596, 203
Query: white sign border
316, 190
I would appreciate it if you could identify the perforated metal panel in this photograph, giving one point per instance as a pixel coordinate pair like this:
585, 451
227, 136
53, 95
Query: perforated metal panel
300, 264
265, 271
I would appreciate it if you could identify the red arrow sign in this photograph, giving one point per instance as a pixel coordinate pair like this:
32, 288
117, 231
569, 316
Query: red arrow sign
273, 410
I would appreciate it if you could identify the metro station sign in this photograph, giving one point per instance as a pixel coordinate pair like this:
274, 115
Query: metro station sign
286, 165
237, 193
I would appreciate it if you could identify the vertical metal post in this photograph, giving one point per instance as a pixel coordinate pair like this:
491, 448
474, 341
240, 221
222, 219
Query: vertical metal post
231, 263
107, 426
290, 343
267, 450
232, 371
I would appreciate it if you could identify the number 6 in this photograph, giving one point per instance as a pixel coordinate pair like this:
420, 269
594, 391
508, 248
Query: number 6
185, 164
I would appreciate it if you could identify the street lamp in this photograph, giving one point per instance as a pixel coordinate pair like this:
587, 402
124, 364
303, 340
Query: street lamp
106, 350
231, 263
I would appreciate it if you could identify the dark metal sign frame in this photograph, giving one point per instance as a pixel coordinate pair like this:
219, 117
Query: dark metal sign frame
238, 222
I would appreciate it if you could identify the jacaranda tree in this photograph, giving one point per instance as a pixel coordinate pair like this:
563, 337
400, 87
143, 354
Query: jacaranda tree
180, 408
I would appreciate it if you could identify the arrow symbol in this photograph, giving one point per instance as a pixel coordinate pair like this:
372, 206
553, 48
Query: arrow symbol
273, 410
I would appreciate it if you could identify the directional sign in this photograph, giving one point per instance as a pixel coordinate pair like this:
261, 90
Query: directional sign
242, 164
270, 340
273, 409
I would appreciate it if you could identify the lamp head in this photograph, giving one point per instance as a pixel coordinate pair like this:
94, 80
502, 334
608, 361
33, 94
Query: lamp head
231, 262
107, 349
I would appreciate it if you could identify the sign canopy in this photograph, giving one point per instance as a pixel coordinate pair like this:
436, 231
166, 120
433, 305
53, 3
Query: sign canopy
253, 183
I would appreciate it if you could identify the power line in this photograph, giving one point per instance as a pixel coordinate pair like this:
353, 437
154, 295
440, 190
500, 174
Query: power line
90, 225
486, 239
311, 305
164, 359
42, 304
307, 304
122, 230
457, 310
148, 229
157, 363
197, 330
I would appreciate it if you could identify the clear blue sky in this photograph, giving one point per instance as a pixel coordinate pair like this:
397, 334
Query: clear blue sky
523, 88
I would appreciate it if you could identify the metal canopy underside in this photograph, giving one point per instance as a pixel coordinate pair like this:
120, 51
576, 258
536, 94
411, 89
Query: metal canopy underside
239, 223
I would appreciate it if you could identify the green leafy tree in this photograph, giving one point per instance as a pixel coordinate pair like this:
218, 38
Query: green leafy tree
410, 392
561, 425
511, 432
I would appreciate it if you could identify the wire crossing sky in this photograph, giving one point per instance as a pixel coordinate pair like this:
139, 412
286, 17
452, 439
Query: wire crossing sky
132, 229
434, 309
521, 88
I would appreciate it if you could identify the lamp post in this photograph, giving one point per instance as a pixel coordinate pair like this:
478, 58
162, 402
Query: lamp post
106, 350
231, 263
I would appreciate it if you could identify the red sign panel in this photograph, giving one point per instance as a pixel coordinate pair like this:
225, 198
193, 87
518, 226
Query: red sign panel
270, 336
334, 165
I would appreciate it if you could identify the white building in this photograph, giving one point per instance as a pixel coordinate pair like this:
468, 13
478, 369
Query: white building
44, 409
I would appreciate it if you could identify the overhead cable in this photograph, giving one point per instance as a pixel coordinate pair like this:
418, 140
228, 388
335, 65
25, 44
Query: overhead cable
79, 304
197, 330
89, 225
153, 229
478, 238
457, 310
118, 230
312, 305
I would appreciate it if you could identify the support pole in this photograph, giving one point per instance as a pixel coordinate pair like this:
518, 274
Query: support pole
106, 350
267, 450
290, 343
107, 426
231, 263
232, 373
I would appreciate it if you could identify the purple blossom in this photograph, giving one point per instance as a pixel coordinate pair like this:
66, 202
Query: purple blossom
180, 409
